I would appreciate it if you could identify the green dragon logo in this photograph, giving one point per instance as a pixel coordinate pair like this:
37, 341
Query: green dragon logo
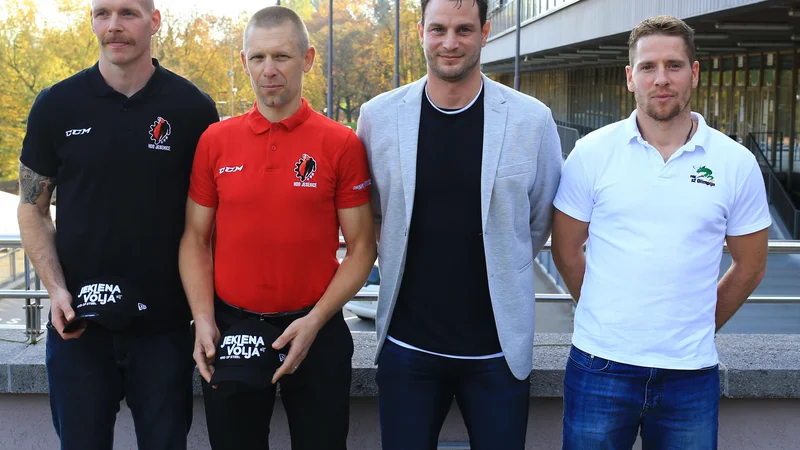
704, 172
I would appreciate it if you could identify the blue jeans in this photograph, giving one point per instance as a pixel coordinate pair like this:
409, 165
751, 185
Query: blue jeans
90, 375
416, 390
606, 404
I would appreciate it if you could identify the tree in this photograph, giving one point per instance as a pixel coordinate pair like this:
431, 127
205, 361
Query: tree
205, 49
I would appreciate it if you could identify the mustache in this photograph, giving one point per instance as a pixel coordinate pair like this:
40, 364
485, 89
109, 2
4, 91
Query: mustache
112, 38
657, 92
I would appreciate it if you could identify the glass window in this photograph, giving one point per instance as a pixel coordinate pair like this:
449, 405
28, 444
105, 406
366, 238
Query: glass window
741, 71
784, 100
786, 69
724, 126
702, 88
769, 76
783, 116
701, 100
738, 114
754, 69
713, 117
796, 150
727, 71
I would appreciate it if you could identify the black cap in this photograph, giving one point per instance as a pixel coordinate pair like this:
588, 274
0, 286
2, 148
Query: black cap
245, 354
108, 301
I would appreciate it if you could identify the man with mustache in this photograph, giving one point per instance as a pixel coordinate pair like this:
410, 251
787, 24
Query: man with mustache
465, 171
642, 192
117, 141
271, 189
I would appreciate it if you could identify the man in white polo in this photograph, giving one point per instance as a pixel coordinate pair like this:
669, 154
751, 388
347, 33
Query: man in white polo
656, 195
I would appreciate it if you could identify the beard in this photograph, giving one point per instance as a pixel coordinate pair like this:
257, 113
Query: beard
273, 100
681, 103
279, 99
453, 73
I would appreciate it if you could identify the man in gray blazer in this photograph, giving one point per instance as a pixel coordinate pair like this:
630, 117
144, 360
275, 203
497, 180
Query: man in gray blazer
464, 174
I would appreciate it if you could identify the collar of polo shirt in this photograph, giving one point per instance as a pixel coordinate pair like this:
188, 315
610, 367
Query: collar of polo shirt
259, 124
100, 88
700, 138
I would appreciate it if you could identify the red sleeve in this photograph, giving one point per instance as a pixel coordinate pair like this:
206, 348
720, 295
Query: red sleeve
352, 180
203, 185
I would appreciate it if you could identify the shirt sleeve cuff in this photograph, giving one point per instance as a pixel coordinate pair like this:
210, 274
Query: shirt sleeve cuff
758, 226
351, 202
574, 213
203, 201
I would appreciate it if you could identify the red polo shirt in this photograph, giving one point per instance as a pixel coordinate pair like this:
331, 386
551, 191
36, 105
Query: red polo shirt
276, 188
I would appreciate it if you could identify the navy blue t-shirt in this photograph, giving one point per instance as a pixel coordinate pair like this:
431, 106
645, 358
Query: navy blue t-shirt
443, 304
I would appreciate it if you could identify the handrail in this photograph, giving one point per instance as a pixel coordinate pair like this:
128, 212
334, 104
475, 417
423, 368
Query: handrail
779, 247
774, 246
583, 130
777, 194
33, 297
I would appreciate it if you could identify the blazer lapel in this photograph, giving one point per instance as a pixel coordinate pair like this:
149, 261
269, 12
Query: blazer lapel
494, 131
408, 112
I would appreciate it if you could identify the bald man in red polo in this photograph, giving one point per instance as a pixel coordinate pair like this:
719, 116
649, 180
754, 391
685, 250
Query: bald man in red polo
275, 185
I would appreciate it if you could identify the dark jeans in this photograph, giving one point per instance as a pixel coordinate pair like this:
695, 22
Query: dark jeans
316, 397
89, 376
606, 404
416, 390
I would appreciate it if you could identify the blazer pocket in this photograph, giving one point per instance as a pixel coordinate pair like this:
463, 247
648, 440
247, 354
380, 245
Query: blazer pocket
525, 267
514, 169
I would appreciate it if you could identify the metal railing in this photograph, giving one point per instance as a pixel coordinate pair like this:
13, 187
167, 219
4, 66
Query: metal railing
568, 137
11, 265
33, 297
583, 130
777, 194
774, 148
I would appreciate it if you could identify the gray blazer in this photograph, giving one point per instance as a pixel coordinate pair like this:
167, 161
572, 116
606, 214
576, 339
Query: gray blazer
519, 176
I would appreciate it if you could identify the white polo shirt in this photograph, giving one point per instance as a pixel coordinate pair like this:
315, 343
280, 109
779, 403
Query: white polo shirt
656, 232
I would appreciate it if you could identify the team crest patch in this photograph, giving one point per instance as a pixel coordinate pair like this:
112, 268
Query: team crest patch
160, 131
304, 169
703, 175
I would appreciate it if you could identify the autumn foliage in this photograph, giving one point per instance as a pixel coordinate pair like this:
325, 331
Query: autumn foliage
204, 48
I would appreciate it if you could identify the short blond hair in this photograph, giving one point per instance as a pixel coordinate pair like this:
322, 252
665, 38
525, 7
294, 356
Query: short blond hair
274, 16
664, 26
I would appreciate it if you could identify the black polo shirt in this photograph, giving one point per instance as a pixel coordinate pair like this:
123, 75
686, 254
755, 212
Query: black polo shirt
122, 169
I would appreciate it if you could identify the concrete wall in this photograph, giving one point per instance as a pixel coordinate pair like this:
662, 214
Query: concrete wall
744, 425
593, 19
760, 385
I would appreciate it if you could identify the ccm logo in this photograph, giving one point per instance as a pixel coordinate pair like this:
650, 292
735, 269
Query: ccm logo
78, 132
231, 169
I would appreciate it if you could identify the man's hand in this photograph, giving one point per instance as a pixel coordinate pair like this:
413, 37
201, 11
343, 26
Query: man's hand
300, 334
206, 337
62, 313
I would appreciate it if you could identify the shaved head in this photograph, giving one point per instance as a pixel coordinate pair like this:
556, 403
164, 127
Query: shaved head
275, 16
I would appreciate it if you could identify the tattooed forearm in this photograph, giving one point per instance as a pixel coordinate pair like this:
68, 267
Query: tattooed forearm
31, 184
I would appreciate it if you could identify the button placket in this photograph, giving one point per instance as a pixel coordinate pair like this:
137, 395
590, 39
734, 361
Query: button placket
272, 163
